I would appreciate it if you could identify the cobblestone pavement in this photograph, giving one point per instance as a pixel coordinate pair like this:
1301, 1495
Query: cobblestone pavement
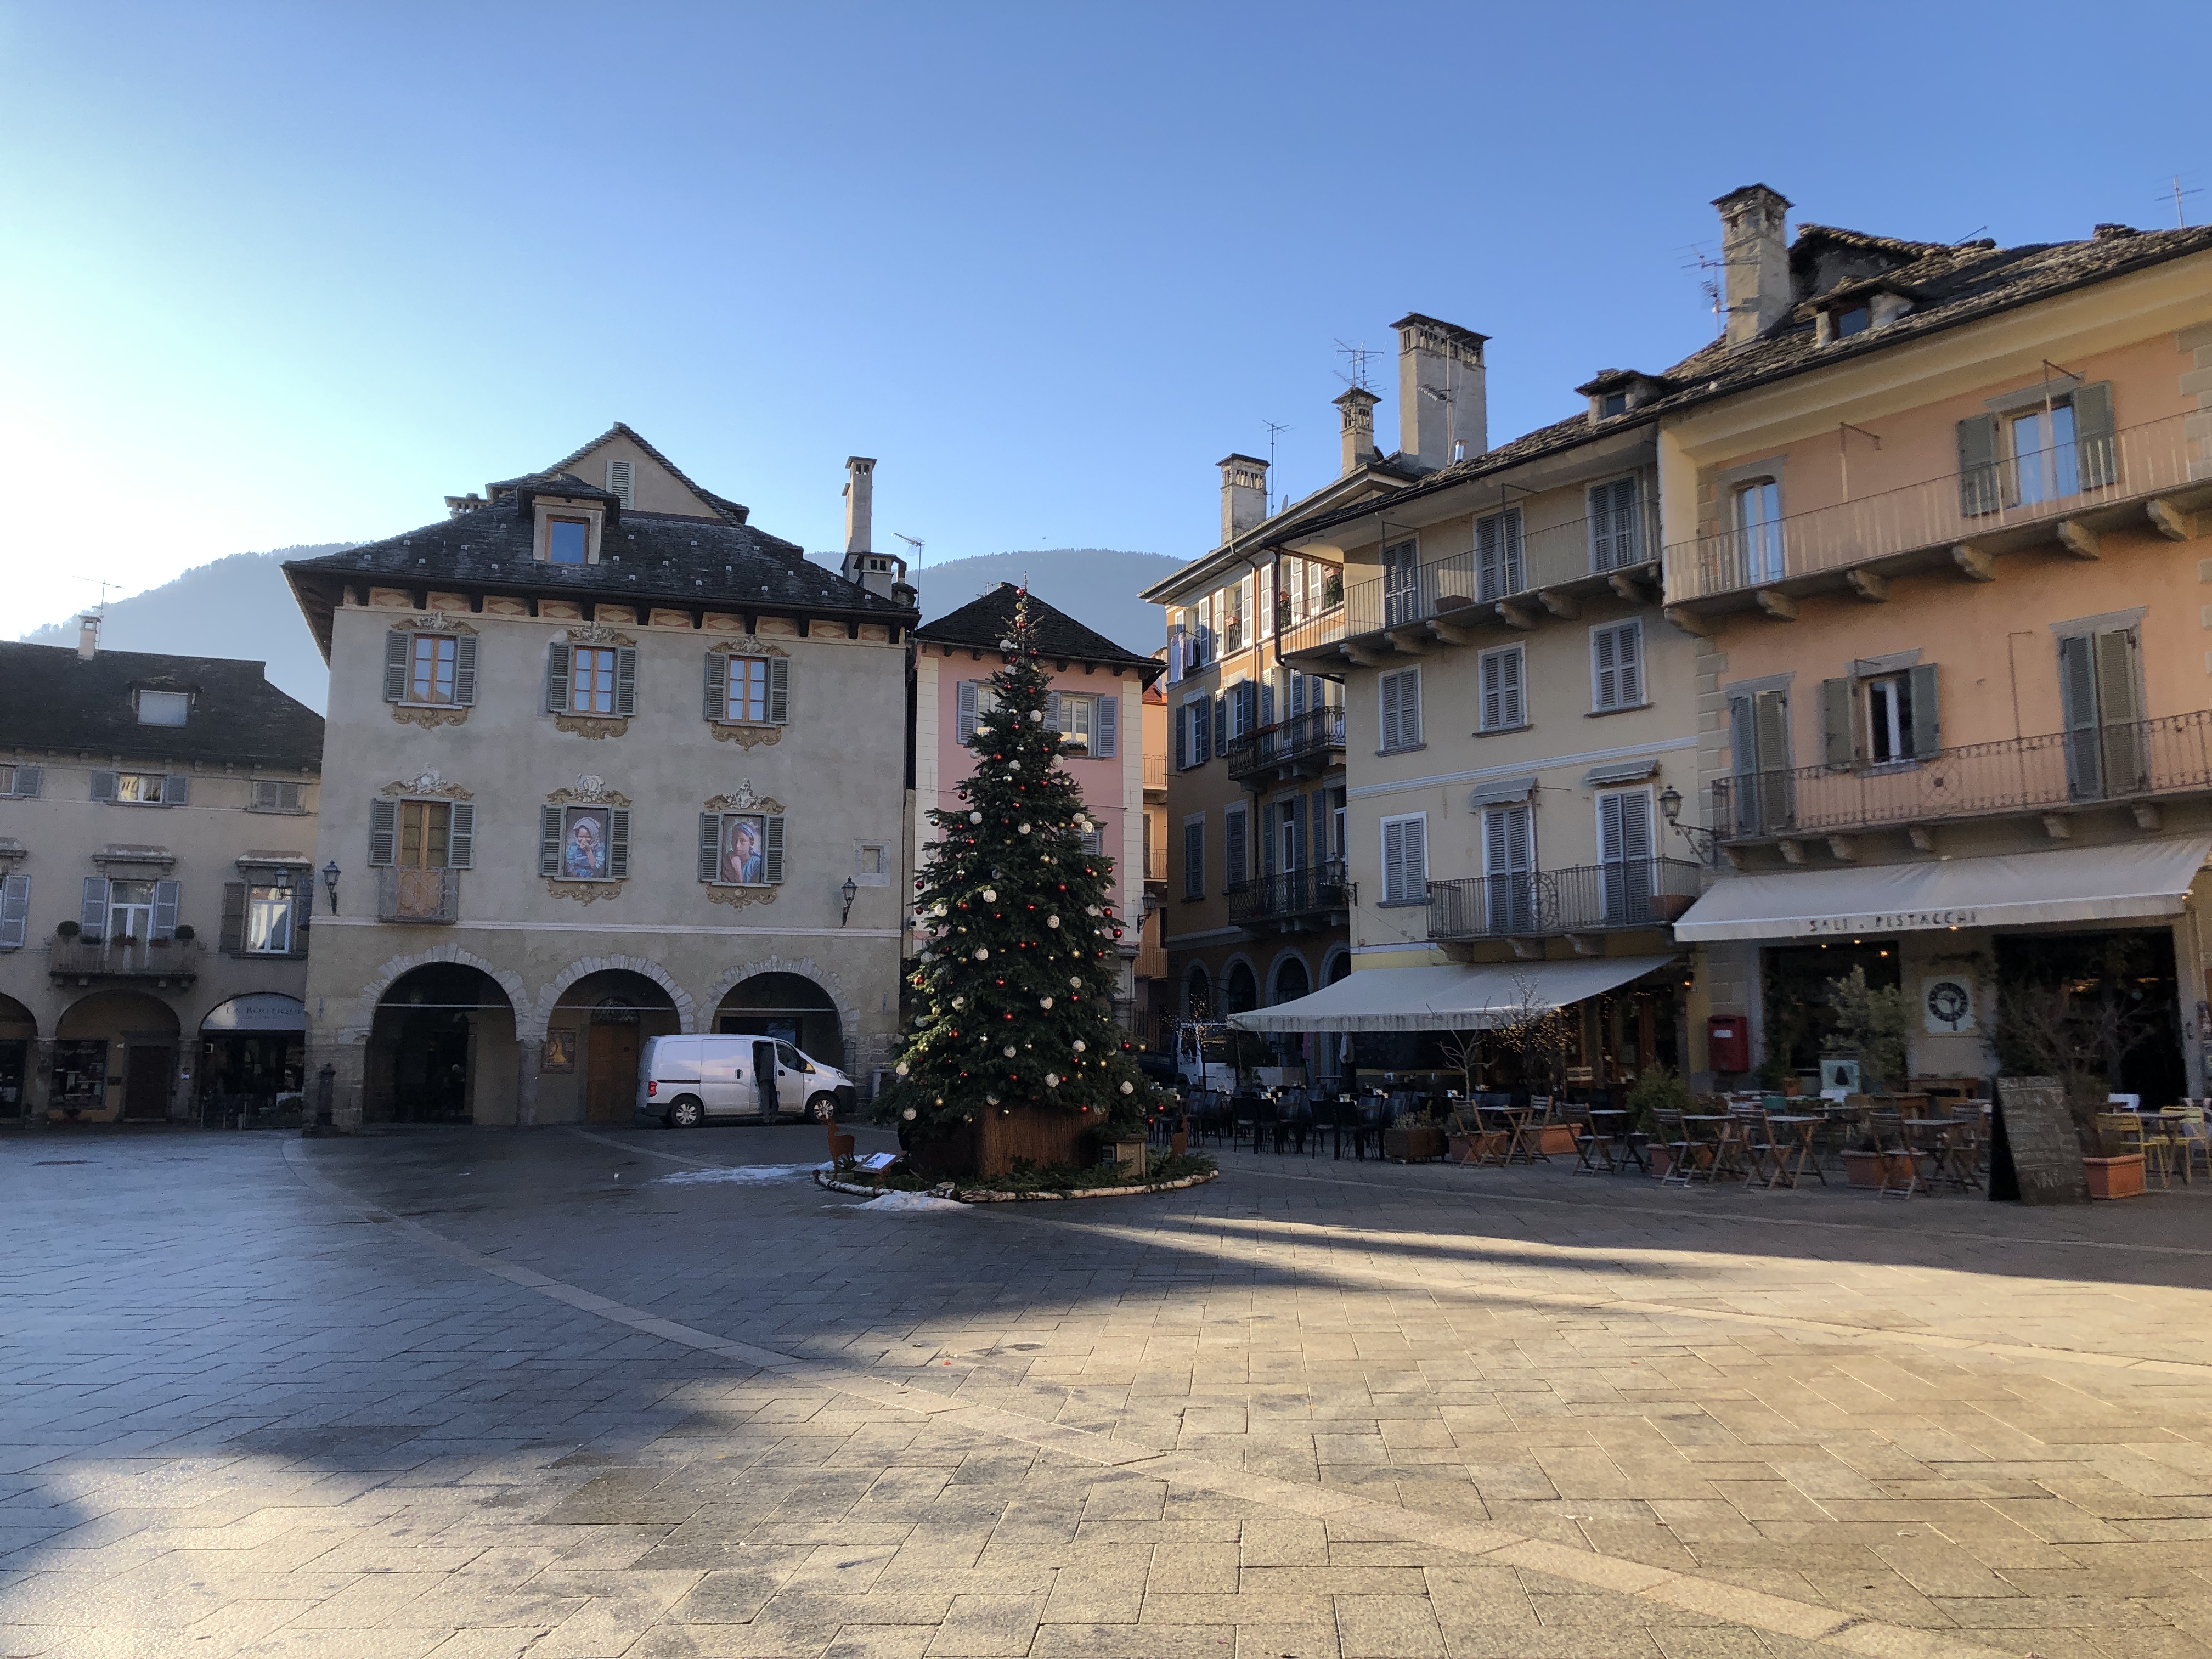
478, 1393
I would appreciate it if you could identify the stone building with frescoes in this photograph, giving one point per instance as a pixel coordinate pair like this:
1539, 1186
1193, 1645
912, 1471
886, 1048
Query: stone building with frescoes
604, 772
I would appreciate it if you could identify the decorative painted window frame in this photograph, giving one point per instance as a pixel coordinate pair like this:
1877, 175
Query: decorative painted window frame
590, 791
598, 636
746, 734
431, 716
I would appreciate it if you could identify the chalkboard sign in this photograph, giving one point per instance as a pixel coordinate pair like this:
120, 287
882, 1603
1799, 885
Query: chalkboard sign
2035, 1156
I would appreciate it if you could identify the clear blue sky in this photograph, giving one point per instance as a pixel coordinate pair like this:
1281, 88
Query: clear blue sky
288, 273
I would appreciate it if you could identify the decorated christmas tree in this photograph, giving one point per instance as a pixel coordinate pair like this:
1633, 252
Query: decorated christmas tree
1014, 981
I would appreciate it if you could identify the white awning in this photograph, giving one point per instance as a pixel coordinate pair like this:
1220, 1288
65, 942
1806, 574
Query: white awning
1453, 998
2130, 880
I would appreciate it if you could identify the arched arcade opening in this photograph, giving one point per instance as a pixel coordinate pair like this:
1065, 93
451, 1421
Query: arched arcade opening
790, 1007
441, 1049
587, 1070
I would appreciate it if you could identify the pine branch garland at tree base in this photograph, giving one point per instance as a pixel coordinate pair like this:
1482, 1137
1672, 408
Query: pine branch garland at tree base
1013, 1051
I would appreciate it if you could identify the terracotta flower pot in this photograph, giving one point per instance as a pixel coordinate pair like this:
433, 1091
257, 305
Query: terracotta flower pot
1662, 1161
2115, 1177
1874, 1170
1413, 1146
1558, 1141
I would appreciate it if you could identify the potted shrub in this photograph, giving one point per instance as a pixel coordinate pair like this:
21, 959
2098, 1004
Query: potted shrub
1869, 1028
184, 933
1656, 1089
68, 929
2082, 1041
1413, 1138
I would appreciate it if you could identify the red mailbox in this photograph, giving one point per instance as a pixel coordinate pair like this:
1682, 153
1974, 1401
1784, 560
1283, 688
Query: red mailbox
1727, 1043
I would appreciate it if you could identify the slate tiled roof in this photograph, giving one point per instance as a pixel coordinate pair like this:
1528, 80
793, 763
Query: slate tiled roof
646, 559
58, 702
982, 622
619, 429
1952, 285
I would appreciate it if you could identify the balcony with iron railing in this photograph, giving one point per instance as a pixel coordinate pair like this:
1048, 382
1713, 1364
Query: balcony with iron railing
410, 895
2135, 762
157, 961
1309, 742
1513, 584
1587, 898
2155, 474
1288, 899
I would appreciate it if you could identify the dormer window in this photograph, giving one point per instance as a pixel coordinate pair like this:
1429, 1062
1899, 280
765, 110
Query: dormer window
1613, 403
568, 541
1853, 319
164, 707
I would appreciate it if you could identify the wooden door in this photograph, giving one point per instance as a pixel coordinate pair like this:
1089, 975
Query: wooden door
611, 1090
146, 1084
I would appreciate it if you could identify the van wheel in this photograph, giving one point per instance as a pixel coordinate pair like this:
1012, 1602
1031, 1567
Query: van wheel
684, 1113
823, 1109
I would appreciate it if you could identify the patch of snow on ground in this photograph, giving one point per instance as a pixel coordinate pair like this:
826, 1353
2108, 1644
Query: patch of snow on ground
909, 1203
745, 1174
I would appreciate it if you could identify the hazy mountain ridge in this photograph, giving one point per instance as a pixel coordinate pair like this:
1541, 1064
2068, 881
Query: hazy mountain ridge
241, 606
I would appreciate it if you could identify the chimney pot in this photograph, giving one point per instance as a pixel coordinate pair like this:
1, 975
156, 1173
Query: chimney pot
1442, 394
1244, 495
881, 573
88, 636
1359, 407
1755, 259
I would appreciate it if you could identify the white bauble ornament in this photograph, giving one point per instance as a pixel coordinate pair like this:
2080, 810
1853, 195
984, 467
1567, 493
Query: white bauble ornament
1014, 766
1045, 1003
1036, 715
1081, 1047
900, 1068
990, 1100
990, 895
975, 817
908, 1114
1052, 1079
958, 1002
1010, 1051
1074, 984
1052, 921
1024, 828
982, 953
1128, 1088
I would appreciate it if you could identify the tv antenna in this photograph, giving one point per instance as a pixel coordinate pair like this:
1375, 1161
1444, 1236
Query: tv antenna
1709, 281
103, 584
1275, 429
2176, 192
914, 542
1358, 356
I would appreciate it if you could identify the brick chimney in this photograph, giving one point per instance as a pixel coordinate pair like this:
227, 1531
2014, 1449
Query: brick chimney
1244, 495
1443, 413
1359, 407
860, 504
88, 636
1755, 251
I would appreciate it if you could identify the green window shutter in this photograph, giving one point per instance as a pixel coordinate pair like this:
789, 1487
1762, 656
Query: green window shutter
2095, 444
461, 837
395, 665
779, 690
718, 687
556, 677
626, 679
464, 670
166, 897
2119, 708
232, 937
1980, 489
618, 843
549, 840
92, 908
1839, 729
772, 847
2077, 702
710, 845
1773, 721
1927, 712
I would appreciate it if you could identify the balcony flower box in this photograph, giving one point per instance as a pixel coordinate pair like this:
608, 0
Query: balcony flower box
1413, 1146
2115, 1177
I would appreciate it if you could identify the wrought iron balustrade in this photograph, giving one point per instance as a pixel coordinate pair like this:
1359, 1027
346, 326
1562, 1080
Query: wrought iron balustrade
1317, 890
2017, 493
1585, 898
408, 894
78, 957
1314, 736
2133, 761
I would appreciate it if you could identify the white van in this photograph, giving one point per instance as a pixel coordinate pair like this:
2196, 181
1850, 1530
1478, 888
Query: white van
684, 1080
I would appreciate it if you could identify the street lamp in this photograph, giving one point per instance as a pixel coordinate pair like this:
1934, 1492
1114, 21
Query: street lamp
330, 883
850, 890
1703, 841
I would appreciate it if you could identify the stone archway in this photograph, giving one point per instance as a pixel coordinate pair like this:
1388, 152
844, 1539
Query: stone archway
687, 1011
127, 1036
19, 1036
791, 1006
373, 991
1288, 979
1240, 987
441, 1048
804, 967
593, 1033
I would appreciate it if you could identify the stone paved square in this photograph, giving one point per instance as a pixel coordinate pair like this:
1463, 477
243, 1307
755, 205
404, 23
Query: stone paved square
476, 1394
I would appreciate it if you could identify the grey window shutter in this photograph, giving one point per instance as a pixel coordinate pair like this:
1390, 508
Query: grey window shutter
1202, 732
27, 781
1183, 737
1927, 715
1628, 651
1493, 672
1322, 850
1513, 700
1105, 736
103, 785
626, 679
165, 896
549, 840
303, 914
92, 908
383, 830
1267, 703
1611, 847
556, 677
232, 939
396, 644
1773, 722
1838, 747
1220, 725
618, 843
718, 687
177, 790
1193, 861
710, 845
1052, 710
2119, 710
618, 480
464, 670
1393, 862
1234, 853
2094, 448
461, 837
14, 911
1743, 755
1980, 489
2077, 698
1267, 839
779, 690
772, 847
1409, 707
967, 715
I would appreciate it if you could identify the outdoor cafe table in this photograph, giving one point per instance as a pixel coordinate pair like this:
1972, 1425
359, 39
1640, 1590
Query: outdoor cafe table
1511, 1122
1612, 1131
1929, 1138
1720, 1146
1795, 1155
